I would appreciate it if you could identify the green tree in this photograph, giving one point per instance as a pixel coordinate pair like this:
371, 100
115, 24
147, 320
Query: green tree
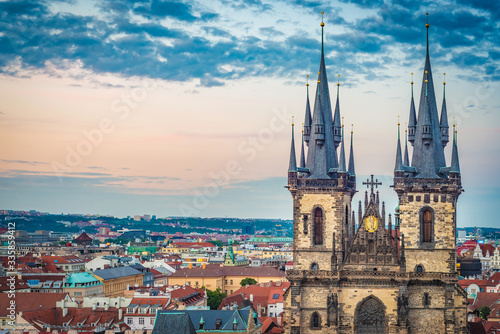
217, 243
248, 280
215, 298
484, 312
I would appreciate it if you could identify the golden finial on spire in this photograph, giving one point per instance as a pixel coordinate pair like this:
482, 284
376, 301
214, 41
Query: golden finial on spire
352, 128
444, 78
426, 72
427, 24
292, 121
302, 127
398, 120
426, 81
322, 23
307, 81
342, 121
412, 78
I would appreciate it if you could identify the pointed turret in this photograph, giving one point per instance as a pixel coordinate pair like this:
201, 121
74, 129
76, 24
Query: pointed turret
443, 123
317, 153
406, 161
399, 158
455, 164
336, 126
351, 158
302, 152
322, 159
342, 164
428, 153
360, 213
292, 166
353, 222
308, 119
412, 123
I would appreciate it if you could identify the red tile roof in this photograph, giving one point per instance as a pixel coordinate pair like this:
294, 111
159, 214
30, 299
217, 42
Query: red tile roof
83, 237
76, 318
485, 299
464, 283
68, 259
494, 280
215, 270
28, 301
193, 244
19, 284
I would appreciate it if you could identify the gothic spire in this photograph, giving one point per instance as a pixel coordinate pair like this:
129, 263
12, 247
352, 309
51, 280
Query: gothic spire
399, 159
342, 165
455, 164
428, 153
322, 155
317, 153
292, 167
406, 161
443, 123
351, 158
302, 152
336, 126
308, 120
412, 123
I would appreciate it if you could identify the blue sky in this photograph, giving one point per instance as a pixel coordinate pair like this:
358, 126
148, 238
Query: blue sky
172, 107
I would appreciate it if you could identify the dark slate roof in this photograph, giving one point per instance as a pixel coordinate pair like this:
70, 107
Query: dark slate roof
113, 273
173, 322
351, 168
322, 157
292, 167
210, 317
428, 155
302, 153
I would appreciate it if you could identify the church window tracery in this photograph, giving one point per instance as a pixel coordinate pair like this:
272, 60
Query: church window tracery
315, 321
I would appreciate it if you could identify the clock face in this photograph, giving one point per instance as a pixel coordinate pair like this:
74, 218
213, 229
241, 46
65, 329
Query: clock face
371, 223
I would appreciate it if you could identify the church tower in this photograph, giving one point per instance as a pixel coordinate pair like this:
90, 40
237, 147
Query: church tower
374, 277
428, 191
322, 192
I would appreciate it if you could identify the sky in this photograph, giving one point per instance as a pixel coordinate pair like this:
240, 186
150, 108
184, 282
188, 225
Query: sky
179, 108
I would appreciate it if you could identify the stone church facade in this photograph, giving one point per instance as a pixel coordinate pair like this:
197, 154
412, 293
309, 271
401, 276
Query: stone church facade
377, 276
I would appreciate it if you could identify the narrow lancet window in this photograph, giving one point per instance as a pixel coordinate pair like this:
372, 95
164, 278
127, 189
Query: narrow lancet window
318, 226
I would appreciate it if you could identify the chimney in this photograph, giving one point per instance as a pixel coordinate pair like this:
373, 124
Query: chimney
251, 297
190, 265
64, 311
120, 314
203, 265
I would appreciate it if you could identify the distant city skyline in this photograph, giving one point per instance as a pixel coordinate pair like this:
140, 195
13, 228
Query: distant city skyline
184, 108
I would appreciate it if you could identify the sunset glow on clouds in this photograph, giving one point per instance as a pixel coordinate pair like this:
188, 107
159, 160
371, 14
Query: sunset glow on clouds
170, 108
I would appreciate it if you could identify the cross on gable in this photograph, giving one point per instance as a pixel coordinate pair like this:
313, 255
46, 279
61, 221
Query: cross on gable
372, 183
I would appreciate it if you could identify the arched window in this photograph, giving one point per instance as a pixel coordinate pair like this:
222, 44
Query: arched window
419, 269
426, 226
370, 317
318, 226
315, 323
314, 266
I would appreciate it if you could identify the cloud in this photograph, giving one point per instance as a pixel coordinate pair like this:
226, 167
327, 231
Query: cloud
24, 161
173, 9
116, 41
